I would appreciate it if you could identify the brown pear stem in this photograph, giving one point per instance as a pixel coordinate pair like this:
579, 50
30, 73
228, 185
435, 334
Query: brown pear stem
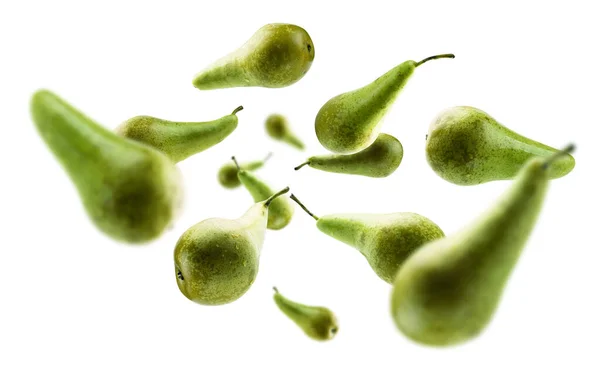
444, 56
236, 163
237, 110
559, 154
293, 197
302, 165
276, 195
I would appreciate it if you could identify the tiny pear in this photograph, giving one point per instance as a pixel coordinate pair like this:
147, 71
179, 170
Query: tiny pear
278, 128
380, 159
280, 211
179, 140
385, 240
447, 292
317, 322
277, 55
216, 260
131, 192
350, 122
227, 175
466, 146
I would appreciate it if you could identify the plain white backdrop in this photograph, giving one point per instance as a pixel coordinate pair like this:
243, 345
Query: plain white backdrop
75, 302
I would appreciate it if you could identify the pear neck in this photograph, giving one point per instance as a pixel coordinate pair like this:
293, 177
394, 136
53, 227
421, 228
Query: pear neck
346, 228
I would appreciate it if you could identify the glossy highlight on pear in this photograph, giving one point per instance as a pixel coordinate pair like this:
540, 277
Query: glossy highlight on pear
228, 173
278, 128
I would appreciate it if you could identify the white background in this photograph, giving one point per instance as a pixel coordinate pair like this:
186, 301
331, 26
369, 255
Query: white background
75, 302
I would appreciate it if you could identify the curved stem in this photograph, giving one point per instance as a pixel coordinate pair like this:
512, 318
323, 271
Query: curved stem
267, 157
236, 163
302, 165
276, 195
557, 155
444, 56
293, 197
237, 110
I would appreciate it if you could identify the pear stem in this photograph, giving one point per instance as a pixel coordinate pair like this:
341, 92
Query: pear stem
302, 165
267, 157
293, 197
444, 56
237, 110
276, 195
557, 155
236, 163
275, 289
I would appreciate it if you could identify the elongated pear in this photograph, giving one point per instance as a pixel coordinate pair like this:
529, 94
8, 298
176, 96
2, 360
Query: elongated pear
278, 128
380, 159
216, 260
385, 240
447, 292
277, 55
466, 146
350, 122
227, 174
280, 211
131, 192
317, 322
179, 140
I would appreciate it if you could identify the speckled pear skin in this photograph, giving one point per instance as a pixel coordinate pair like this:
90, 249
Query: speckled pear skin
277, 55
466, 146
318, 322
179, 140
350, 122
228, 173
446, 293
378, 160
278, 128
131, 192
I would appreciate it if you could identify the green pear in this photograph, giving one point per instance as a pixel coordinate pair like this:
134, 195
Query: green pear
317, 322
466, 146
278, 128
179, 140
131, 192
280, 211
350, 122
216, 260
276, 56
447, 292
380, 159
385, 240
227, 174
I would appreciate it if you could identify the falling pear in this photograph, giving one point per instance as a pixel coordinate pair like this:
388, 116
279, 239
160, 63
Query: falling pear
278, 128
228, 173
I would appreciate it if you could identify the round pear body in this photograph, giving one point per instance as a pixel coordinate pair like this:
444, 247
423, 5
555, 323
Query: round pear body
466, 146
277, 55
278, 128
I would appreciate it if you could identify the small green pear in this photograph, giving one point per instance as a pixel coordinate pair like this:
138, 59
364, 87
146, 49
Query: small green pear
131, 192
280, 211
446, 293
277, 55
385, 240
380, 159
350, 122
319, 323
466, 146
216, 260
179, 140
228, 173
278, 128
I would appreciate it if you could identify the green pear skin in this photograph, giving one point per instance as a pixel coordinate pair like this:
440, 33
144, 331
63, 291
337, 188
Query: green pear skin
228, 173
446, 293
277, 55
131, 192
385, 240
378, 160
216, 260
350, 122
278, 128
179, 140
318, 322
466, 146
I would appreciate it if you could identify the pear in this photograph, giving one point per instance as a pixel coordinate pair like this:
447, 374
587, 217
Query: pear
447, 292
380, 159
131, 192
385, 240
350, 122
179, 140
276, 56
466, 146
216, 260
227, 174
317, 322
278, 128
280, 211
